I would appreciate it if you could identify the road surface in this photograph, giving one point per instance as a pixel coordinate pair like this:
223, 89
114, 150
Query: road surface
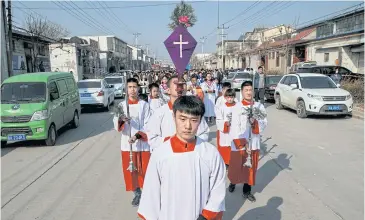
309, 169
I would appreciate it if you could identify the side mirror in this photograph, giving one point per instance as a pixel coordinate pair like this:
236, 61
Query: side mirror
294, 86
111, 86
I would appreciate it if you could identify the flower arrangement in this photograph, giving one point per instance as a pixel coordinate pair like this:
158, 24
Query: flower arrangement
183, 14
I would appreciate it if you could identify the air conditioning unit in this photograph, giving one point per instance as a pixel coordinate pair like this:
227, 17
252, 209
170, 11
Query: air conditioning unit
28, 45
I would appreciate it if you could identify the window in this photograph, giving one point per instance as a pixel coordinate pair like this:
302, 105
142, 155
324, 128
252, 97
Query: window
273, 55
287, 80
53, 91
294, 80
89, 84
350, 23
277, 59
326, 57
317, 82
62, 86
23, 92
325, 30
343, 70
42, 50
13, 43
70, 85
114, 80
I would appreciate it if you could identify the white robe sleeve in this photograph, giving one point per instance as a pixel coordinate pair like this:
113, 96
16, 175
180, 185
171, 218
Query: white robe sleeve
217, 184
116, 123
204, 87
262, 122
220, 118
146, 115
203, 130
150, 204
153, 129
216, 90
238, 123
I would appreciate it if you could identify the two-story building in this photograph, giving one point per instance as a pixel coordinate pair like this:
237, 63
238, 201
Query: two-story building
76, 55
30, 53
113, 52
339, 41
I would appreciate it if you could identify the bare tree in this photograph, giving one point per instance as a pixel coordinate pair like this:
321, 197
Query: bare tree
41, 31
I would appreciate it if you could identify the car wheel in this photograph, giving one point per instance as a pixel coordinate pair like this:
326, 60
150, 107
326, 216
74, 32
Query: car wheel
107, 108
3, 143
76, 120
52, 135
278, 102
301, 111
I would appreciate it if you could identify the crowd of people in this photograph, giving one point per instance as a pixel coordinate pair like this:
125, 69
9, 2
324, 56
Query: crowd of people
165, 148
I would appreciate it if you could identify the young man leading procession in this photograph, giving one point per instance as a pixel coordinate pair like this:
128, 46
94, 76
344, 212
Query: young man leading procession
185, 179
245, 156
137, 144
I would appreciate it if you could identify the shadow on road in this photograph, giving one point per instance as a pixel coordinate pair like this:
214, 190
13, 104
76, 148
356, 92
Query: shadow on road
89, 126
268, 212
269, 171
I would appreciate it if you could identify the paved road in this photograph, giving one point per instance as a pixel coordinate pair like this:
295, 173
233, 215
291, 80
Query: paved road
310, 169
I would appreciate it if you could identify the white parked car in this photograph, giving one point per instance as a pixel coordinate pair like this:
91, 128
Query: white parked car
312, 94
118, 83
95, 92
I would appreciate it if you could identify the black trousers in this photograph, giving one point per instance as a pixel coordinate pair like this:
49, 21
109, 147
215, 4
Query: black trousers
246, 188
260, 95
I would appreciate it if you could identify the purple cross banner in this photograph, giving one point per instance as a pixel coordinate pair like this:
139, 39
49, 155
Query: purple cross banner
180, 45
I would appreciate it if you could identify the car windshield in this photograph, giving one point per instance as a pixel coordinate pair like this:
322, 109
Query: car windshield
116, 80
242, 75
21, 92
231, 75
273, 79
89, 84
317, 82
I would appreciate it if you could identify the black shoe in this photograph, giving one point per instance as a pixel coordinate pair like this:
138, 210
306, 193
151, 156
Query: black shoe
135, 201
249, 196
231, 187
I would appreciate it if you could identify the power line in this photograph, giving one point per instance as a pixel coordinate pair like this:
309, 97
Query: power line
118, 19
114, 7
242, 12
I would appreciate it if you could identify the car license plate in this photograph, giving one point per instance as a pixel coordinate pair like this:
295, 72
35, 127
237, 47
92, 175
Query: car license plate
334, 107
16, 137
85, 94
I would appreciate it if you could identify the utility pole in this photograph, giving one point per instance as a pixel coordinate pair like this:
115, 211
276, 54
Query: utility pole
203, 42
10, 38
136, 35
222, 46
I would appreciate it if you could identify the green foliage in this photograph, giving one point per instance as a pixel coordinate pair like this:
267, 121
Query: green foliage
182, 9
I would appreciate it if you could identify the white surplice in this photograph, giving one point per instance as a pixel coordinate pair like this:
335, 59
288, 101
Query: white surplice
139, 114
183, 185
155, 103
209, 98
162, 125
240, 127
221, 118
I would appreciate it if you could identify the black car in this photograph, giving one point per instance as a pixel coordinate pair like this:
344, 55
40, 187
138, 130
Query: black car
345, 73
270, 85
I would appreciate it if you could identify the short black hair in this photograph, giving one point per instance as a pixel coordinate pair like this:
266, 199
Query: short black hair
143, 97
194, 76
246, 83
227, 85
135, 75
230, 93
260, 67
191, 105
132, 80
153, 85
171, 78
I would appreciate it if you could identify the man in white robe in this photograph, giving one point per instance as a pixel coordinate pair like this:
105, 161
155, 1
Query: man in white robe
161, 124
154, 98
139, 111
211, 92
223, 121
240, 131
185, 178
